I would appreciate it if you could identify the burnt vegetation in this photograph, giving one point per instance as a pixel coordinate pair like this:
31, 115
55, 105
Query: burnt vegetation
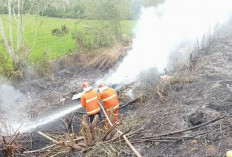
168, 116
186, 112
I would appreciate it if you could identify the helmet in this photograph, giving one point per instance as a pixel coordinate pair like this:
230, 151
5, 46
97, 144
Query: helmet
85, 84
229, 153
101, 85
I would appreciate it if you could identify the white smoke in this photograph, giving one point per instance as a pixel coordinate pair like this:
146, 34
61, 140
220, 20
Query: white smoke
12, 106
160, 32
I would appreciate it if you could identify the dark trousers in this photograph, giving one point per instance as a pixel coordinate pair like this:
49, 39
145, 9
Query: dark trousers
91, 117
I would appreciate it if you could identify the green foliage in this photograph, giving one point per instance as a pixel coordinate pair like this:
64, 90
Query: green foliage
43, 66
107, 12
6, 67
56, 31
84, 9
60, 32
104, 28
64, 29
59, 46
95, 37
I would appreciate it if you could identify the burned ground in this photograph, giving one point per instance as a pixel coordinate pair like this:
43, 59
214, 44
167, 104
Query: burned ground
192, 97
192, 103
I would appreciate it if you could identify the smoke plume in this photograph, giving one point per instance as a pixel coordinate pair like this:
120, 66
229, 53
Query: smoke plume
12, 106
162, 30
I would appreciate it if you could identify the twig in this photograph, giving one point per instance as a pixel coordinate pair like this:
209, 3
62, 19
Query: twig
47, 137
114, 139
125, 138
15, 136
148, 140
191, 128
109, 131
41, 149
130, 102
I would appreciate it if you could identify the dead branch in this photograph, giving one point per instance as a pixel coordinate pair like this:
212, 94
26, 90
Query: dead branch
151, 140
110, 131
119, 137
65, 143
191, 128
125, 138
47, 137
39, 150
68, 123
130, 102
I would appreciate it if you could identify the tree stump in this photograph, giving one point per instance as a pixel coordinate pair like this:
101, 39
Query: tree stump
88, 129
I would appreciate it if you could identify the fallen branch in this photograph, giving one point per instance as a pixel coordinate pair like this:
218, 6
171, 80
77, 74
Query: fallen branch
130, 102
110, 131
125, 138
114, 139
148, 140
59, 143
48, 137
191, 128
39, 150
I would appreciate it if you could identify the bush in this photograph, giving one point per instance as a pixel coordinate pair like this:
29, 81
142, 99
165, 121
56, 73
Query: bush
6, 67
60, 32
44, 66
94, 38
64, 29
56, 32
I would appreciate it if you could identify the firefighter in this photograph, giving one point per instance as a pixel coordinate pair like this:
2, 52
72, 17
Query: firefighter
109, 98
90, 100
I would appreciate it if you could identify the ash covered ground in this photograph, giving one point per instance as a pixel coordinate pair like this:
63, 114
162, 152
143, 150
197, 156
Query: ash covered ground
194, 97
191, 98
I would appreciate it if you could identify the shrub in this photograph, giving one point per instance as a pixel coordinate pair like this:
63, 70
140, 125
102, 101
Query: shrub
56, 32
6, 67
43, 66
64, 29
97, 37
60, 32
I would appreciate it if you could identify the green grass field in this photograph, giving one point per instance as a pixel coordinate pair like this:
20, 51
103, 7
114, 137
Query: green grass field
56, 45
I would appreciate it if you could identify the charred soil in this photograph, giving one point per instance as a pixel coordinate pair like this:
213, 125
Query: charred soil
178, 118
187, 115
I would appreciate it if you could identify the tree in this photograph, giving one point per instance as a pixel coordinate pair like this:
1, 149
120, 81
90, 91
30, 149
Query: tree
15, 45
108, 12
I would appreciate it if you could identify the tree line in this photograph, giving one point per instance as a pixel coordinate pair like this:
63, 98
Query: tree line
84, 9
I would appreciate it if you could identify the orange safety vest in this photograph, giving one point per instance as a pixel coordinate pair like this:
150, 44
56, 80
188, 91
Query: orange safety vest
90, 100
110, 99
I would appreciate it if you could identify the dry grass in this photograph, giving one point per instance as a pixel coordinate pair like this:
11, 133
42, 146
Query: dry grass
183, 78
103, 58
132, 122
104, 149
106, 57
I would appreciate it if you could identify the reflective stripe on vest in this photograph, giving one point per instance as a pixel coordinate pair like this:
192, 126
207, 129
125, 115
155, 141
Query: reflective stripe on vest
111, 97
87, 101
94, 111
115, 107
